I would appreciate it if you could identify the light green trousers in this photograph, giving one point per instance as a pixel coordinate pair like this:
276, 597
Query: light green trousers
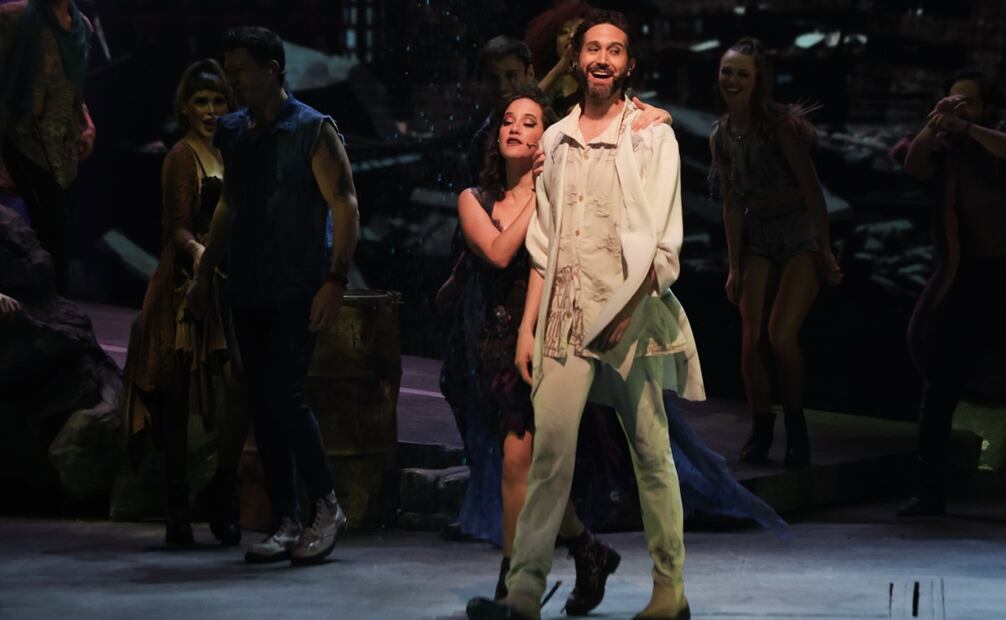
558, 406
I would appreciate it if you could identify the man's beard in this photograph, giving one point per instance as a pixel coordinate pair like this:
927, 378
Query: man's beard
599, 92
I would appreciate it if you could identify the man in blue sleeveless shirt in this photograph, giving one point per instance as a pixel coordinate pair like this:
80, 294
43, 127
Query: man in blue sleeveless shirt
286, 169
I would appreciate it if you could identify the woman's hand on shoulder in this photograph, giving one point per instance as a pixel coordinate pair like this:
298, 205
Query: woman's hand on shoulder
539, 165
650, 116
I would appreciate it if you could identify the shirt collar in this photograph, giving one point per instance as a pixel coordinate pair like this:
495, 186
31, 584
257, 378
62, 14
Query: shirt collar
570, 126
285, 120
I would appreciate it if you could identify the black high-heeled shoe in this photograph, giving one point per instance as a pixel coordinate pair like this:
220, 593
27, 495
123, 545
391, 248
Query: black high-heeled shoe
759, 442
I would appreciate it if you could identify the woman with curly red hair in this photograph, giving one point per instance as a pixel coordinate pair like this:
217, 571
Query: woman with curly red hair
549, 36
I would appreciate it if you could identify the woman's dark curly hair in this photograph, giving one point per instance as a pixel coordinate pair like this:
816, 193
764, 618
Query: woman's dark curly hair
492, 179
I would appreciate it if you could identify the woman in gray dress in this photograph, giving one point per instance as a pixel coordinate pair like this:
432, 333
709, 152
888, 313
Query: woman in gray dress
777, 237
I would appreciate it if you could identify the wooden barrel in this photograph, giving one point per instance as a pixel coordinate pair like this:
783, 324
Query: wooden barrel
352, 388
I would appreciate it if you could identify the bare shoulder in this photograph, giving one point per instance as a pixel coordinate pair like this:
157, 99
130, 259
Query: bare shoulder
329, 144
467, 196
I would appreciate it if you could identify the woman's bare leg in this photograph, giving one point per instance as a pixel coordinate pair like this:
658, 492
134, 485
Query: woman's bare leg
516, 464
799, 285
756, 277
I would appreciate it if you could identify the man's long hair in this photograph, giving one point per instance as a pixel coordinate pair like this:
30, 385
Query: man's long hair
617, 20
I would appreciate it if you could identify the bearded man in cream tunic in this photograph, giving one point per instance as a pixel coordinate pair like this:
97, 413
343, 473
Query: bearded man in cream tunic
600, 320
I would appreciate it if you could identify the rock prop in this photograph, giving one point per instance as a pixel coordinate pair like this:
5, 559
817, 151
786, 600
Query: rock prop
431, 498
52, 371
432, 485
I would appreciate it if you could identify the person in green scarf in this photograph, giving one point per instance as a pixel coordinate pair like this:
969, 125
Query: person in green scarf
45, 127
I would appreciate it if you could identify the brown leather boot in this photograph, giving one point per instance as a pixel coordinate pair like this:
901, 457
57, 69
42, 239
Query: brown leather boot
667, 603
595, 561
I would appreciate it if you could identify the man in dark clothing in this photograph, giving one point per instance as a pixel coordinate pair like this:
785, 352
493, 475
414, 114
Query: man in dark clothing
504, 67
286, 169
960, 316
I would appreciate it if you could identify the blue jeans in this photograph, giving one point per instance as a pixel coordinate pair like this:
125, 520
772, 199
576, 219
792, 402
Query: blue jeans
276, 348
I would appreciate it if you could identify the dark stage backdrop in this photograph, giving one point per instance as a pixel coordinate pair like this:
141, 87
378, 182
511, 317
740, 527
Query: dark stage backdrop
398, 76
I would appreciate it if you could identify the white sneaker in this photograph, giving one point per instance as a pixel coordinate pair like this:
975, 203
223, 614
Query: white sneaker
276, 547
318, 539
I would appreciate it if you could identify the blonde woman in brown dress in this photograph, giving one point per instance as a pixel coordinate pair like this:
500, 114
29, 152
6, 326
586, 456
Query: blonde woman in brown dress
178, 366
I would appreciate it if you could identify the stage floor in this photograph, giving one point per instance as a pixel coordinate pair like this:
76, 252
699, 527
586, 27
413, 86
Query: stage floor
853, 563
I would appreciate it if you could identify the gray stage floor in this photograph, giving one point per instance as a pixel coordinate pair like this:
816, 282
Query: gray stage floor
849, 564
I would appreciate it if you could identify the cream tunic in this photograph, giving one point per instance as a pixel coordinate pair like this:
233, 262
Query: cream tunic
648, 195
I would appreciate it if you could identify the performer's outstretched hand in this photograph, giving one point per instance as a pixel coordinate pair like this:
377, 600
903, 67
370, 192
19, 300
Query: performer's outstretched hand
326, 305
525, 354
8, 306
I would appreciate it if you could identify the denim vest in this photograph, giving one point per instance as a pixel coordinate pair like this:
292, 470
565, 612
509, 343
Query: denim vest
277, 250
